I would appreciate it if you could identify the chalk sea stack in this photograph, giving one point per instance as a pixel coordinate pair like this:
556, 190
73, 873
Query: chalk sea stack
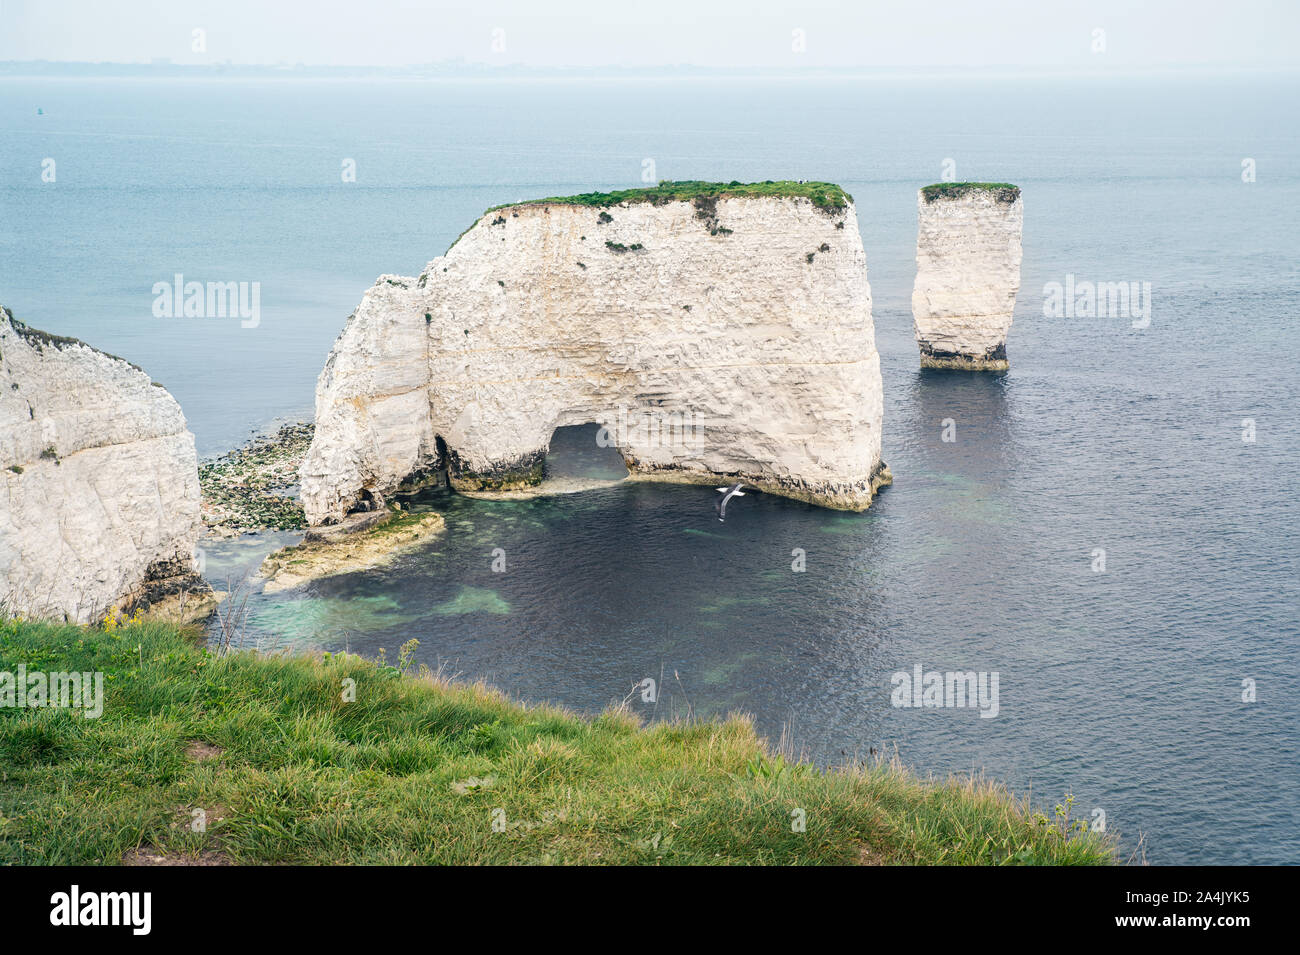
99, 489
967, 273
742, 309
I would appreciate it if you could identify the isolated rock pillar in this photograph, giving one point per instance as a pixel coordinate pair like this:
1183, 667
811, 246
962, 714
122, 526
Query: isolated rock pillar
967, 273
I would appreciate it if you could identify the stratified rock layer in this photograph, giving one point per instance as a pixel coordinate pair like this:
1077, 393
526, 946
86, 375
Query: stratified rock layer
967, 274
99, 490
720, 337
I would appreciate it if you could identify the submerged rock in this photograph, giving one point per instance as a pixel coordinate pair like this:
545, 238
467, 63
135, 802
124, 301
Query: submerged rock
721, 333
967, 273
99, 489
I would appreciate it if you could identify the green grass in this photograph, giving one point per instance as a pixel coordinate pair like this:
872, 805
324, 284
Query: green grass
1006, 192
826, 196
412, 771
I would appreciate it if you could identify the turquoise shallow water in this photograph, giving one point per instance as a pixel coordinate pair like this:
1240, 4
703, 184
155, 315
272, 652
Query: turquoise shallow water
1122, 687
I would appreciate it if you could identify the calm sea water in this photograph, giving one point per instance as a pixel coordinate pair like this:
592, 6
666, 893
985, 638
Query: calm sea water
1123, 687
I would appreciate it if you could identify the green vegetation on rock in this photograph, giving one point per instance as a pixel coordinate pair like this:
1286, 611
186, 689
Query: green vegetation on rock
826, 196
1004, 191
41, 340
418, 769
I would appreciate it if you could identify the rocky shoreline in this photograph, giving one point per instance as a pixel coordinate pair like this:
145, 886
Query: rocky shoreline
549, 487
254, 487
361, 541
994, 359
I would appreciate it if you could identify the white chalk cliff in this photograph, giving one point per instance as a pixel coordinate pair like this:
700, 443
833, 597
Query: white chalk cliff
967, 274
99, 490
718, 337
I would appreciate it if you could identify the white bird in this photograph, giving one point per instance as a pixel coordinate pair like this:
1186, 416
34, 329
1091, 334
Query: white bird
727, 494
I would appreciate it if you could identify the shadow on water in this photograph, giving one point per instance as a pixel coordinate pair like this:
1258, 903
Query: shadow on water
951, 442
962, 420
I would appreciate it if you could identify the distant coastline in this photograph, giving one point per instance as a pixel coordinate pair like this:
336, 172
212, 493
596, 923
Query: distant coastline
459, 69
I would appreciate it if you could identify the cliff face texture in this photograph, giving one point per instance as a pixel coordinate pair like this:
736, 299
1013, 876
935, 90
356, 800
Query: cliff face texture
99, 491
967, 274
716, 337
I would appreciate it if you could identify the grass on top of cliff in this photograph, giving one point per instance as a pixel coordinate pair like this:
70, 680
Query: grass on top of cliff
418, 769
826, 196
1004, 191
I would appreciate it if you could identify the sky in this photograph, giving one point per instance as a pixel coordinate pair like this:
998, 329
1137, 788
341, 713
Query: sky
734, 34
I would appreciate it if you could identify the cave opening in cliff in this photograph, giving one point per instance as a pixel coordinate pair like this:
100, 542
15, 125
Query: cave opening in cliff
576, 452
443, 464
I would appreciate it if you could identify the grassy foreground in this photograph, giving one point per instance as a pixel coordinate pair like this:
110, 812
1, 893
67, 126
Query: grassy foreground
418, 770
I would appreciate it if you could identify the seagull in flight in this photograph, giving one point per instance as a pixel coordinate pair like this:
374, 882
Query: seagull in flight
727, 494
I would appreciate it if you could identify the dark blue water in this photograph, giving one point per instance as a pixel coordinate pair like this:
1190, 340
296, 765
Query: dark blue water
1123, 687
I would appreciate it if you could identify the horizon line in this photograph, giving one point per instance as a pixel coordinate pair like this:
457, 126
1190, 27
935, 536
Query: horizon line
481, 69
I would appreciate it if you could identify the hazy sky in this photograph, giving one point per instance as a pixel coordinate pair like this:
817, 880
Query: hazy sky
726, 33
